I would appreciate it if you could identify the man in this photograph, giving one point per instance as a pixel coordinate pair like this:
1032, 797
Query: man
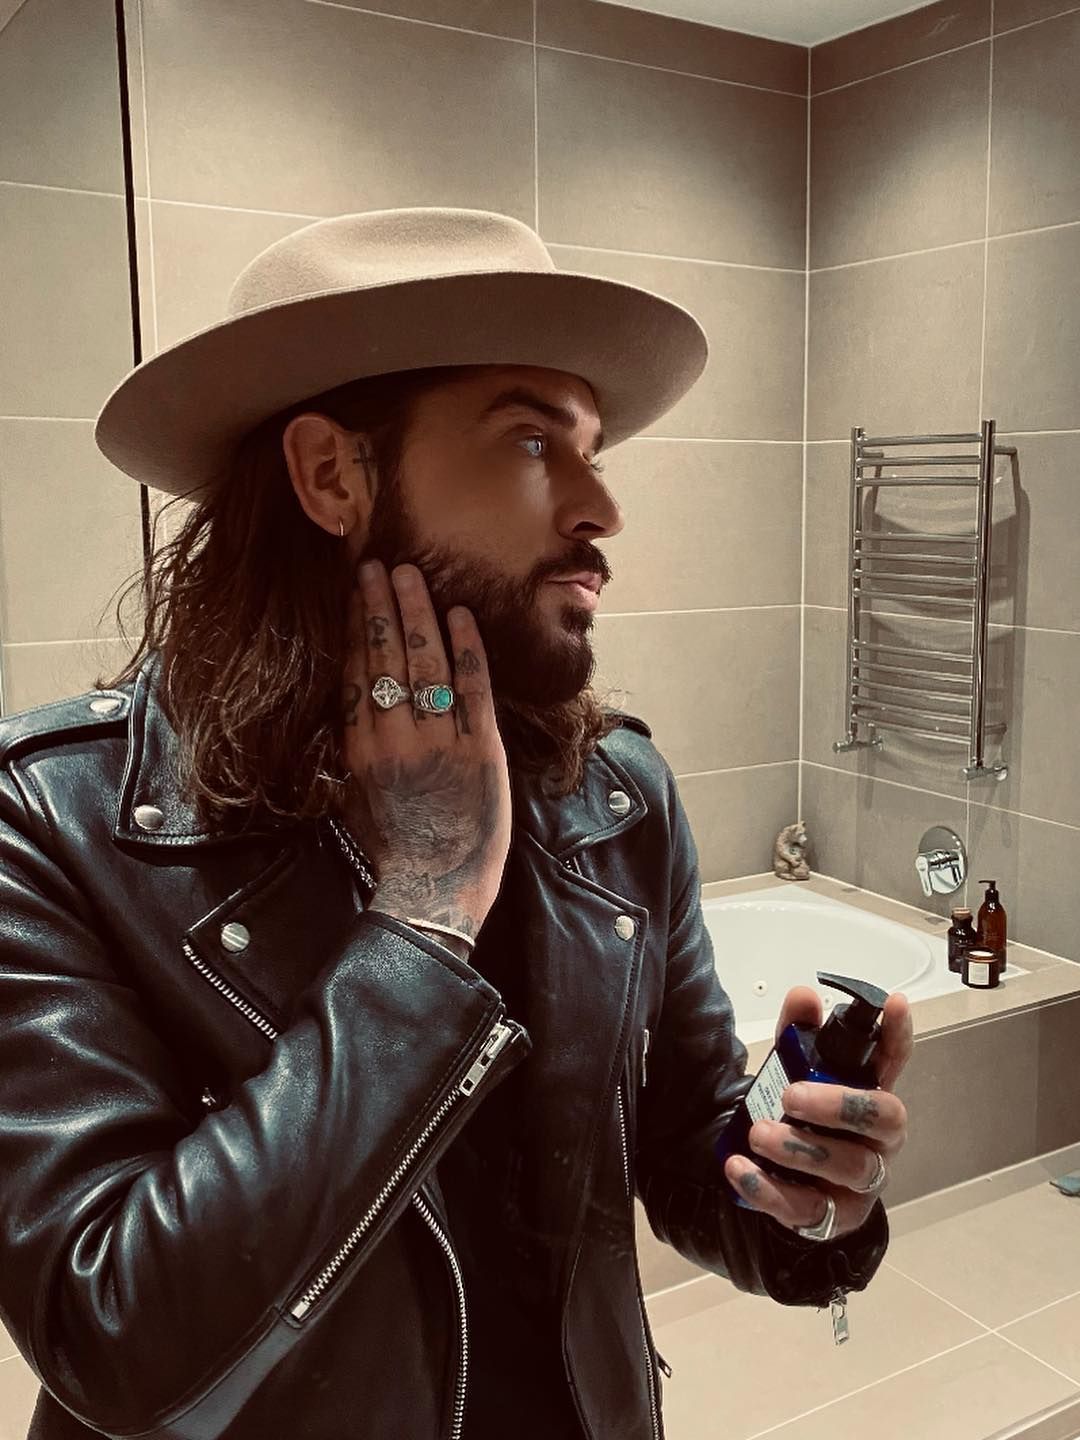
354, 976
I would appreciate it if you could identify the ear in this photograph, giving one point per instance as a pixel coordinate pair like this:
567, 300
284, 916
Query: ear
332, 471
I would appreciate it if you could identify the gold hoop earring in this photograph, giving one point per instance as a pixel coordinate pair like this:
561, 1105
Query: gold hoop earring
341, 528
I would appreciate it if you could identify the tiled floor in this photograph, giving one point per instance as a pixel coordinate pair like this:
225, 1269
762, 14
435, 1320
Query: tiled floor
971, 1325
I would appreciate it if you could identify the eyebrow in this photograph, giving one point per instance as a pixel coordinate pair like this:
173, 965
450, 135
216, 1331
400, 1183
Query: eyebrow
520, 396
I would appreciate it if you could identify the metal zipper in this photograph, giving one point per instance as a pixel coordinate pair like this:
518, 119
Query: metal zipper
497, 1037
644, 1057
637, 1278
248, 1011
494, 1041
463, 1363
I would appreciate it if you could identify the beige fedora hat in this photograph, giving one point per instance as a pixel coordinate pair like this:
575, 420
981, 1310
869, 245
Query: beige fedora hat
386, 290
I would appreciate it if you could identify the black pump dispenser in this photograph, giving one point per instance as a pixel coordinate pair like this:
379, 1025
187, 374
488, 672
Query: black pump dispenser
847, 1039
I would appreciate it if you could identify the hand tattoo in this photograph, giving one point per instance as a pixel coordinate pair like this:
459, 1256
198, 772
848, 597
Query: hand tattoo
859, 1110
352, 703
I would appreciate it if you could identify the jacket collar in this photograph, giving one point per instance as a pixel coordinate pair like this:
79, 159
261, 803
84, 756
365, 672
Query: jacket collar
152, 811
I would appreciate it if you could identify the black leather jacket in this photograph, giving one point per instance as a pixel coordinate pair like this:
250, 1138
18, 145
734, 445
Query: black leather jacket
224, 1091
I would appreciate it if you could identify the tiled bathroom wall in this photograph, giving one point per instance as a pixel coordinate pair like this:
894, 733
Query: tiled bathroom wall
912, 225
666, 154
944, 248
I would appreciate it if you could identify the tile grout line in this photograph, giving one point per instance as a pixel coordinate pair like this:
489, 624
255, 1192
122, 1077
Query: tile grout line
806, 394
938, 794
982, 392
881, 1380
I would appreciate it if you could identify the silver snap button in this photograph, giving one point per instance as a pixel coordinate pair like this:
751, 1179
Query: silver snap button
235, 936
619, 801
624, 927
149, 817
208, 1098
105, 705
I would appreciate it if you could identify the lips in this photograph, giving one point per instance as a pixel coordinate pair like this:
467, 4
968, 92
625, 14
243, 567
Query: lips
588, 578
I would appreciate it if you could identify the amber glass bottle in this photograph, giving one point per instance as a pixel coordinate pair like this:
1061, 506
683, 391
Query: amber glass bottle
992, 924
961, 937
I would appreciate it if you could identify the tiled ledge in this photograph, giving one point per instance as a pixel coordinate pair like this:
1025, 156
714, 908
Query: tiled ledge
1050, 977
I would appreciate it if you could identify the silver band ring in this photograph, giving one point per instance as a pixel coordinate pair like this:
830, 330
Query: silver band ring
386, 692
824, 1228
435, 699
875, 1183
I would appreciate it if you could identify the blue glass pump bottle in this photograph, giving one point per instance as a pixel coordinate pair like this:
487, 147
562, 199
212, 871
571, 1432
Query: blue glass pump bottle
840, 1053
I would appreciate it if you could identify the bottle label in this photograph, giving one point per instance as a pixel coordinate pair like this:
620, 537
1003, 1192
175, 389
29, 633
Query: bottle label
764, 1099
978, 972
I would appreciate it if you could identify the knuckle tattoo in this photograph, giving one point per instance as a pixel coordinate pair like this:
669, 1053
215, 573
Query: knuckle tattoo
861, 1111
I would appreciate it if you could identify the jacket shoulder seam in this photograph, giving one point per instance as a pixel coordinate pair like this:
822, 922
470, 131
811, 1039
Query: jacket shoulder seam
70, 718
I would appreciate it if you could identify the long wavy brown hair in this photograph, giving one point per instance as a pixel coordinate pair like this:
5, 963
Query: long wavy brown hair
247, 609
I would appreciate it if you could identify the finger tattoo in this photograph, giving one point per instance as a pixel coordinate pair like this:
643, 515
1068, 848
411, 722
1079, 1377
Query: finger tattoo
751, 1183
352, 703
859, 1110
377, 627
818, 1153
467, 663
417, 641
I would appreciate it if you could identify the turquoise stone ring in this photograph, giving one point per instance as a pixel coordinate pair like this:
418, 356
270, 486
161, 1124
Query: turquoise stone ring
436, 699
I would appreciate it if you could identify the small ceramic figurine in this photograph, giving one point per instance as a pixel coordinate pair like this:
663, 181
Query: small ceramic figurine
789, 853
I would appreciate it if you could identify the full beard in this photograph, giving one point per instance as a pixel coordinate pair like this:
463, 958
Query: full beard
534, 664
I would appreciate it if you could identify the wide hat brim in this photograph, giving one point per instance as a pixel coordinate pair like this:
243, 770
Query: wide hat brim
173, 422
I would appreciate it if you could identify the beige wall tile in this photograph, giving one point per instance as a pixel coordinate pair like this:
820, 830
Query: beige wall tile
881, 188
1010, 13
867, 831
674, 165
70, 533
828, 500
198, 253
62, 359
1035, 169
735, 816
631, 34
895, 346
36, 674
1035, 862
752, 384
983, 1085
64, 127
986, 1387
929, 30
19, 1389
510, 18
718, 688
228, 134
1039, 554
700, 521
1040, 688
1033, 331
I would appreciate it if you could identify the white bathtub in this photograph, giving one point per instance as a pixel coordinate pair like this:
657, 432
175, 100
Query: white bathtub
765, 943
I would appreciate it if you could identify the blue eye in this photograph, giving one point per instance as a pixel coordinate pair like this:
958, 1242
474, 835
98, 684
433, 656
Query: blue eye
528, 439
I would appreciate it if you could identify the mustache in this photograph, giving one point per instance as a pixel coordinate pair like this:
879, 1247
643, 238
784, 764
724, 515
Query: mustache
588, 560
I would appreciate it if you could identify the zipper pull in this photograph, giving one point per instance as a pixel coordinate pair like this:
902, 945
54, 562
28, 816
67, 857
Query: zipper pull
498, 1037
644, 1056
839, 1316
663, 1364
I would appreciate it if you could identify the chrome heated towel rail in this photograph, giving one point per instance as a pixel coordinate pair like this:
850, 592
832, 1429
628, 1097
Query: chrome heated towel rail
872, 554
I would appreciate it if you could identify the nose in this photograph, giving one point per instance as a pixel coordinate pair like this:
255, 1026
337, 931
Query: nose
592, 506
